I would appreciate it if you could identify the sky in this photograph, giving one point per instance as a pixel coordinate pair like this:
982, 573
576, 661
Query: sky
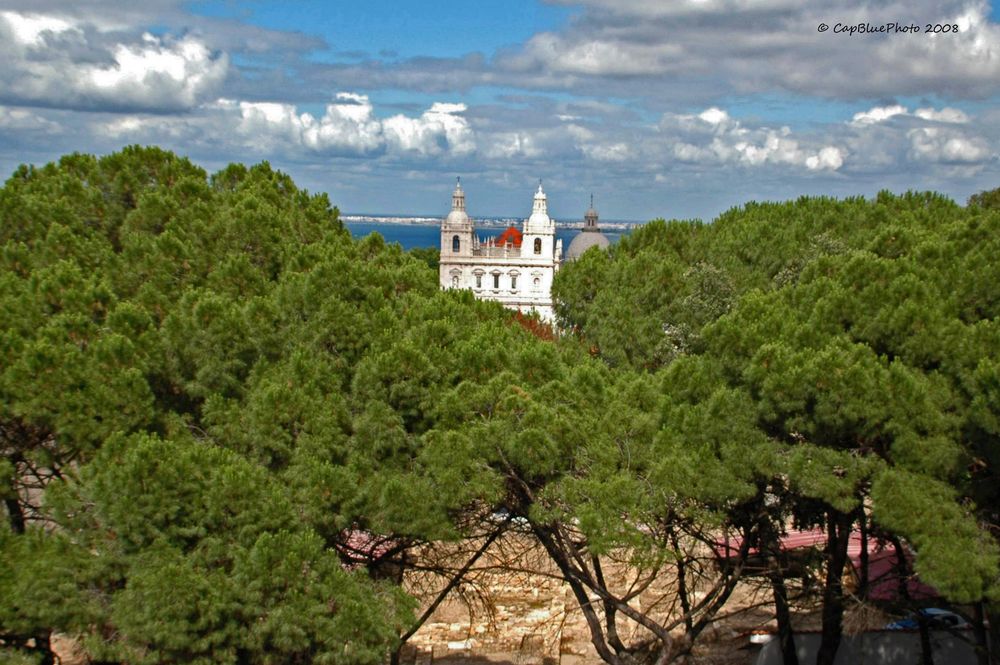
674, 109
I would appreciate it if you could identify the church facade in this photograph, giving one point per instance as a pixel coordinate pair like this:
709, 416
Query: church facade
516, 268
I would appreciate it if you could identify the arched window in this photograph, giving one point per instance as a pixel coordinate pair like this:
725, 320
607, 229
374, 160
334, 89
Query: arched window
538, 245
455, 244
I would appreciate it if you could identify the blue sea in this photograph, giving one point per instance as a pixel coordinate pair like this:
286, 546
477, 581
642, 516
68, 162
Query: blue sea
429, 235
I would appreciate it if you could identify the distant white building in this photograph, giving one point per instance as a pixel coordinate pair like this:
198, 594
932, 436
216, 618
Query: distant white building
516, 268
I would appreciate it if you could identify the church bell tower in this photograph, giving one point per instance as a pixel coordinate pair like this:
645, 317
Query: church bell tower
456, 229
539, 229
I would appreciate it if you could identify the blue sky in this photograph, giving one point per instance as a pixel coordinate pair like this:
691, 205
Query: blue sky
679, 109
444, 28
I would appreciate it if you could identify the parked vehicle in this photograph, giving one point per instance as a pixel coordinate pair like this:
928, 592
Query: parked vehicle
936, 619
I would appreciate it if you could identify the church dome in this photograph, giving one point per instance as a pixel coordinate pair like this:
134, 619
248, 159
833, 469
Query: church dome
583, 241
590, 236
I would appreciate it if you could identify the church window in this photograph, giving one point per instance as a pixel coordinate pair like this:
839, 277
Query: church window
538, 245
455, 244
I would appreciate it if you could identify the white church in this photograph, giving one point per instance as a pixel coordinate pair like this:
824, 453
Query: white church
515, 268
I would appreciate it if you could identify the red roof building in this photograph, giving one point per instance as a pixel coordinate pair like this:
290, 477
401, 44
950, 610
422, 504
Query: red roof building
884, 583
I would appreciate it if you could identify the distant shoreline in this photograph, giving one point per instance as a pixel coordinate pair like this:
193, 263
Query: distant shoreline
490, 222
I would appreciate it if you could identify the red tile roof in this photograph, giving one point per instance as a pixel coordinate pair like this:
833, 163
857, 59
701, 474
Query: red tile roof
510, 235
883, 579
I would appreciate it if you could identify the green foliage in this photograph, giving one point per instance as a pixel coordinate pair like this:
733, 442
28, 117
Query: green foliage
429, 255
952, 550
860, 336
177, 357
209, 392
986, 199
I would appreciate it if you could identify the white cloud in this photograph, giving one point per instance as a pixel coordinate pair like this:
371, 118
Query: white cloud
53, 62
157, 71
892, 139
598, 57
608, 152
709, 48
613, 65
926, 136
644, 8
936, 144
438, 130
740, 159
713, 137
559, 142
828, 158
30, 29
882, 113
580, 133
535, 143
944, 115
714, 116
23, 120
506, 145
349, 127
878, 114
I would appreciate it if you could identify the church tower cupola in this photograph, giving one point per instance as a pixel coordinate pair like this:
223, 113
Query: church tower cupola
457, 229
539, 222
541, 202
458, 217
590, 217
540, 231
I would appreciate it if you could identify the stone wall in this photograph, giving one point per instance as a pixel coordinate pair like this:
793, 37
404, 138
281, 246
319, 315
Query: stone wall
514, 609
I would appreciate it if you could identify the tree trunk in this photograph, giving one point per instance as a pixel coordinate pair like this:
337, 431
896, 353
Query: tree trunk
979, 630
610, 612
17, 524
43, 645
682, 590
926, 651
597, 636
863, 558
452, 583
993, 620
784, 617
776, 565
838, 536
